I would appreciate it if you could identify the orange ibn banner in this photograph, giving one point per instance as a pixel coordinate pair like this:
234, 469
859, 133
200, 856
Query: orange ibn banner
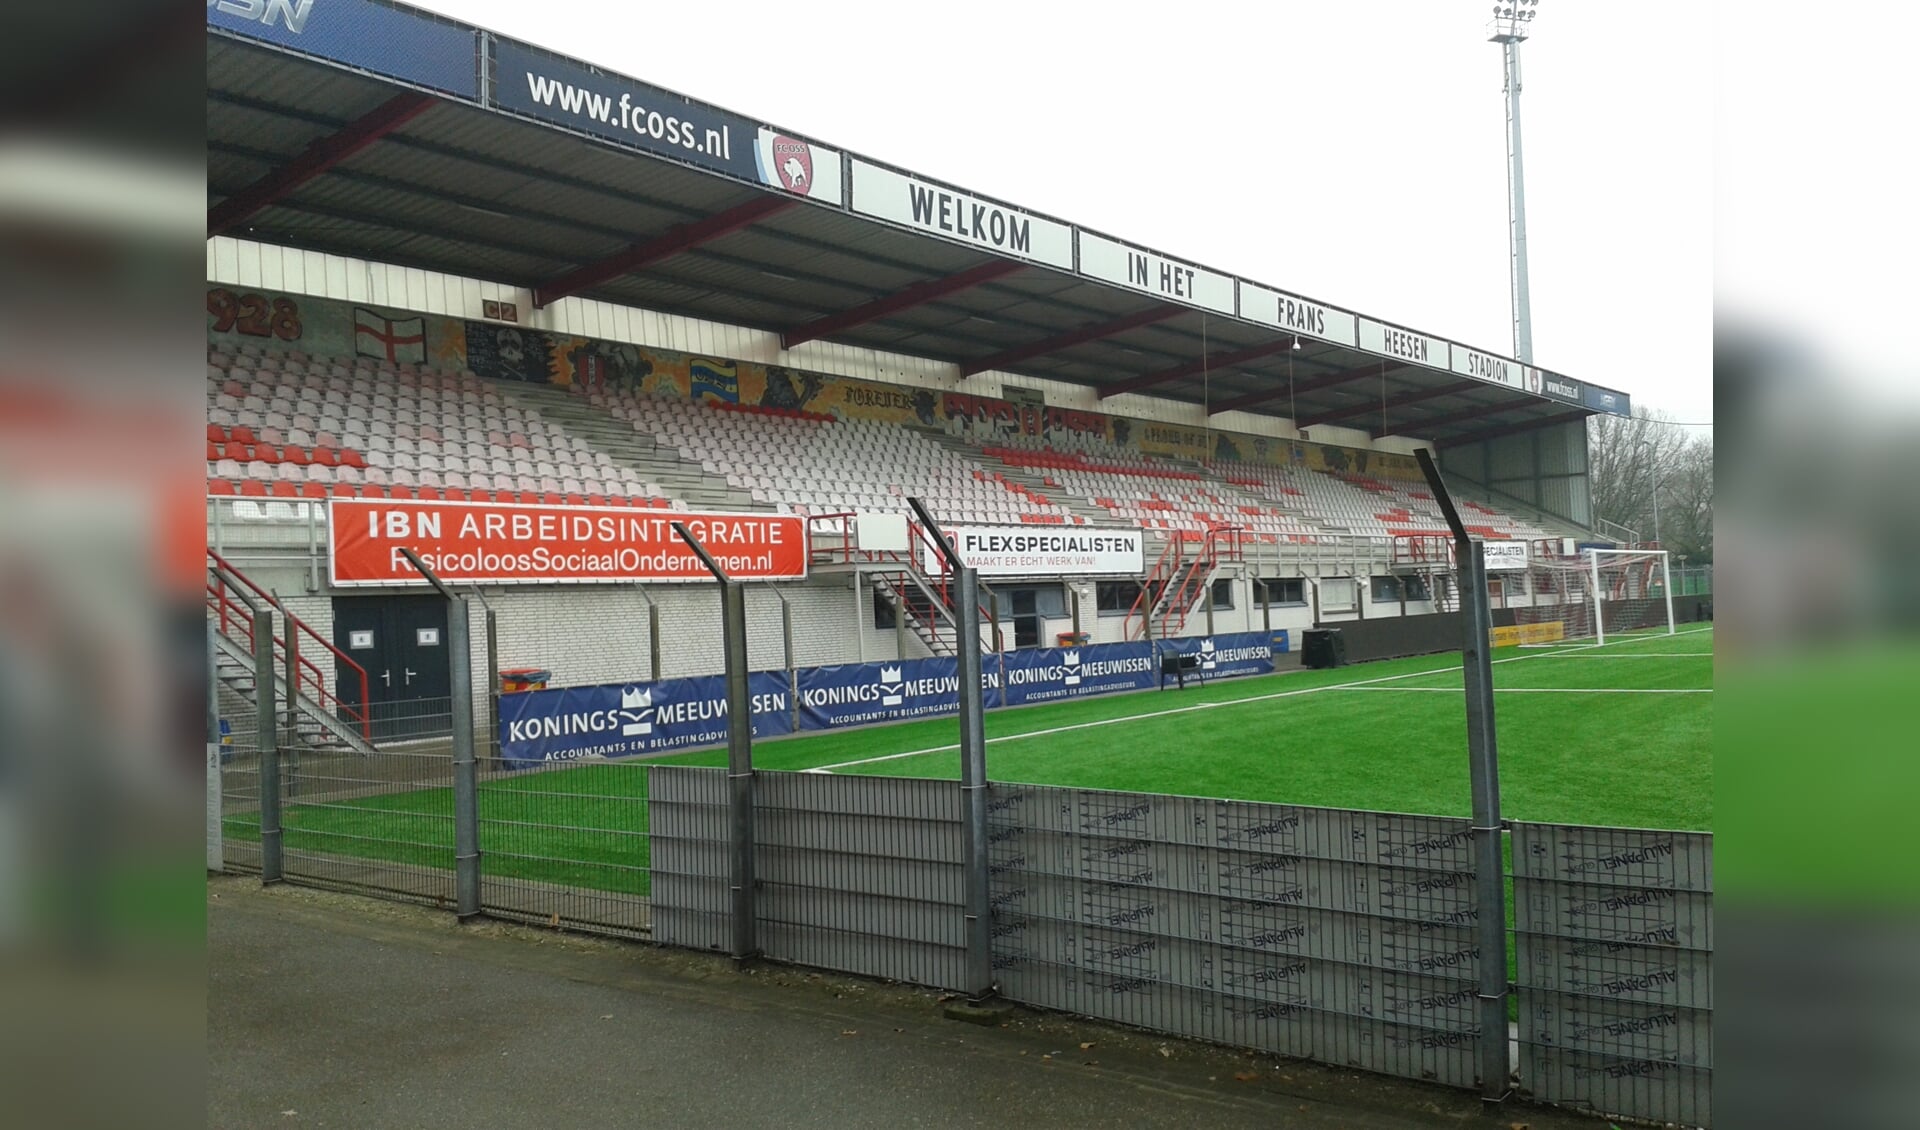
500, 543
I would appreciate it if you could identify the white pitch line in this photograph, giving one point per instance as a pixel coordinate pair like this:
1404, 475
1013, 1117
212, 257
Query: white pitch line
1157, 714
1533, 690
1644, 655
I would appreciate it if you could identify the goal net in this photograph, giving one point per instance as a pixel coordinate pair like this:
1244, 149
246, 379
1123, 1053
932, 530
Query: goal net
1601, 593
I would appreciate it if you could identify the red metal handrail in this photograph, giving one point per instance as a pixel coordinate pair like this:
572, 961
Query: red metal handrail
1169, 560
362, 713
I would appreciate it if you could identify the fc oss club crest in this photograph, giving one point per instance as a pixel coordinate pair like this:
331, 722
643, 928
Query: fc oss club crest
793, 164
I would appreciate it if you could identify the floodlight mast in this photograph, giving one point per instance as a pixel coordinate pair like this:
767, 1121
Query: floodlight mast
1512, 20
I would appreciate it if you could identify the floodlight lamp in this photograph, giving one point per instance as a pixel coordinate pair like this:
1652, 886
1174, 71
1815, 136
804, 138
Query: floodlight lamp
1296, 341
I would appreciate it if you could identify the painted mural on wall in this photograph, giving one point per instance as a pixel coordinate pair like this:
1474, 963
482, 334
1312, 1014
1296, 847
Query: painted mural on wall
500, 351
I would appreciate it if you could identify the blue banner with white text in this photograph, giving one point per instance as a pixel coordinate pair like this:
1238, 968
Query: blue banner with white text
386, 40
853, 694
1229, 654
1048, 674
623, 720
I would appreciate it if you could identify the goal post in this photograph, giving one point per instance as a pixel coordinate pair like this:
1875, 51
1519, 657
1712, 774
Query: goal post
1600, 593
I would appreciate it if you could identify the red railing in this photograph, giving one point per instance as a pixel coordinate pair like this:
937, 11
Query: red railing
234, 617
844, 520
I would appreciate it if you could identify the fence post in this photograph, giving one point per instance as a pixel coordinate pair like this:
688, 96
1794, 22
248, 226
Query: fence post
740, 798
786, 644
1483, 761
653, 639
265, 713
466, 793
216, 847
466, 797
1074, 592
291, 744
493, 681
973, 764
1209, 606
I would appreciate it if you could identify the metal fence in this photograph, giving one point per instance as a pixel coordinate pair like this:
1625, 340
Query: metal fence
1342, 936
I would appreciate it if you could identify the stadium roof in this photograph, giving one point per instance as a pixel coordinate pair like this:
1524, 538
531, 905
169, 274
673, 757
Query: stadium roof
381, 132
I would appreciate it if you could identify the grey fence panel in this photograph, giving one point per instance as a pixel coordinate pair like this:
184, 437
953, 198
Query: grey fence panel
239, 782
379, 821
1614, 956
1340, 936
857, 874
566, 845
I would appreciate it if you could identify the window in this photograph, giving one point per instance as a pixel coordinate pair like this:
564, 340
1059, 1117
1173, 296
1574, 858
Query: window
1386, 590
1278, 590
882, 610
1223, 594
1116, 597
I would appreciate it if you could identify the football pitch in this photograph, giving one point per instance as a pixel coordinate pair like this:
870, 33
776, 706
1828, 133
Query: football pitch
1619, 734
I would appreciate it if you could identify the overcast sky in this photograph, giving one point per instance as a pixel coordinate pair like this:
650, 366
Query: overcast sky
1350, 152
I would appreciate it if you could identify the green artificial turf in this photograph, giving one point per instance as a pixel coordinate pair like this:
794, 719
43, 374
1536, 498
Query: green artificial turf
1394, 742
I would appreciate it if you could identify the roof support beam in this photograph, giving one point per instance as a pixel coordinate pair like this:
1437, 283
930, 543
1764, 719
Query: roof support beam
681, 237
1305, 387
1472, 412
904, 299
1095, 332
316, 159
1510, 429
1222, 360
1395, 402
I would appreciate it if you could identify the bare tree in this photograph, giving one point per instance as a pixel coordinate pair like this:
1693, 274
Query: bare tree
1629, 459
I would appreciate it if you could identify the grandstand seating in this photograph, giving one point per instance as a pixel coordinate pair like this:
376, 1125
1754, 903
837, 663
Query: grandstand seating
287, 425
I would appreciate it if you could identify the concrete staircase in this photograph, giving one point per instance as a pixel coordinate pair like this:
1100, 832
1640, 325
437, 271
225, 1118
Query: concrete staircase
659, 464
315, 728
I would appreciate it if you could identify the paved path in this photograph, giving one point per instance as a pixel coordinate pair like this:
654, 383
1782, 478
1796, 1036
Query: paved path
334, 1010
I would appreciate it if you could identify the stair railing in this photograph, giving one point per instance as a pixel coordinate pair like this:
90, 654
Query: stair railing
234, 617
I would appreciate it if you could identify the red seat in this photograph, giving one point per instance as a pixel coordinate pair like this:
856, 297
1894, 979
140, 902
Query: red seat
345, 490
351, 458
576, 500
326, 457
214, 452
295, 454
242, 433
253, 488
282, 488
236, 451
313, 490
432, 494
216, 434
596, 500
552, 498
401, 492
481, 496
219, 486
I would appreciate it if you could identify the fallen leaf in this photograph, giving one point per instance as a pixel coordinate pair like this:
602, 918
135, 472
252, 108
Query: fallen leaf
1085, 1046
289, 1113
608, 1016
1246, 1076
1046, 1059
848, 1032
1166, 1051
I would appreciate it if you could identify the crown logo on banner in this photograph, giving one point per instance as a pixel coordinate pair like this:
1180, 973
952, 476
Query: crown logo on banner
1206, 654
635, 705
1071, 661
890, 689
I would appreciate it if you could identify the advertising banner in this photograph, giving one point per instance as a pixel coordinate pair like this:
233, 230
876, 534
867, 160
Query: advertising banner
1493, 369
624, 111
852, 694
618, 720
800, 167
1564, 389
1048, 674
1234, 653
1022, 551
1608, 401
1300, 315
1406, 345
1504, 555
1139, 269
394, 42
951, 213
502, 543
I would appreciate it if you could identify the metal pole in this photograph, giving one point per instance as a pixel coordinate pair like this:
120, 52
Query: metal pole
1593, 575
1666, 588
900, 617
1209, 584
973, 789
1517, 211
291, 743
216, 848
1073, 592
653, 640
492, 741
978, 979
1483, 769
740, 799
466, 797
793, 673
272, 860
